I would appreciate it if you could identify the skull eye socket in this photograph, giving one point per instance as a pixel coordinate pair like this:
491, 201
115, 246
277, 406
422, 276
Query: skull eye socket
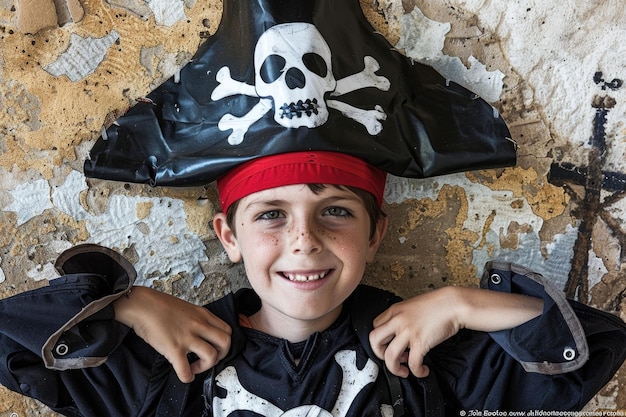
316, 64
272, 68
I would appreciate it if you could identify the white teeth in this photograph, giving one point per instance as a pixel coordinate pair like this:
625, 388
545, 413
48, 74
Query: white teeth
305, 278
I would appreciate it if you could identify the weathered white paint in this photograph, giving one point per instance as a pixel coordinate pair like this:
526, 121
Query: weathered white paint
555, 264
557, 50
423, 39
82, 57
167, 12
618, 209
30, 200
42, 272
596, 270
164, 244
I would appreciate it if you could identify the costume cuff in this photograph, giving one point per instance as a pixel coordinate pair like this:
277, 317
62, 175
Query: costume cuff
552, 343
89, 336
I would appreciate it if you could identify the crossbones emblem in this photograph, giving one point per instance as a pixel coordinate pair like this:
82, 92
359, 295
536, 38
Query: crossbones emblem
353, 381
293, 74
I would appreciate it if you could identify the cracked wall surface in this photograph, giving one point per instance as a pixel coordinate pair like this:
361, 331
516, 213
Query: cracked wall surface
554, 73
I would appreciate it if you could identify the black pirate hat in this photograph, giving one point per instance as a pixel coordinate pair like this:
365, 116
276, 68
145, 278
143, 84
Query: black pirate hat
282, 76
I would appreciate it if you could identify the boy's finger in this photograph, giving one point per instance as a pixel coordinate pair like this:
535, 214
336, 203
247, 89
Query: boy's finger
381, 319
379, 340
384, 317
397, 368
379, 350
217, 340
202, 365
394, 354
416, 364
421, 372
182, 368
206, 356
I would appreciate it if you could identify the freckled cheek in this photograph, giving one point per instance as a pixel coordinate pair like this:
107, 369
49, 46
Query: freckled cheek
342, 243
268, 239
350, 244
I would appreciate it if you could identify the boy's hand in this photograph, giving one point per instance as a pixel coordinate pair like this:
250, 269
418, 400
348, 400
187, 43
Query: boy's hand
174, 328
407, 331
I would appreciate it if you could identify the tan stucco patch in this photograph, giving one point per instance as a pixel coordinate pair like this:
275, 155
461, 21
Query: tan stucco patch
546, 200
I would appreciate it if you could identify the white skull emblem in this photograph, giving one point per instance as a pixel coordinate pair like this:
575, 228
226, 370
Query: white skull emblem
353, 382
293, 66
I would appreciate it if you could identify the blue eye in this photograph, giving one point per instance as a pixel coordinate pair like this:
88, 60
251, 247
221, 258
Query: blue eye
271, 215
337, 211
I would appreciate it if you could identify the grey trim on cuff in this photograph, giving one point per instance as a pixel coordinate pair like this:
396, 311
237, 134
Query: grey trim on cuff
48, 348
571, 320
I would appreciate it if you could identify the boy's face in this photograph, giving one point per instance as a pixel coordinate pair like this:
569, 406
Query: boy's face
304, 253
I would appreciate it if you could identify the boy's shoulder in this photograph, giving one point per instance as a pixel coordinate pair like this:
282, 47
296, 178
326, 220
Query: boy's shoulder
229, 307
365, 297
365, 304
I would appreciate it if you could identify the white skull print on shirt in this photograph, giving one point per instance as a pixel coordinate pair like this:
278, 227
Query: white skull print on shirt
293, 76
354, 380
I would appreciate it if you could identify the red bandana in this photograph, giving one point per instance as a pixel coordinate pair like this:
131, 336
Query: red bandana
300, 168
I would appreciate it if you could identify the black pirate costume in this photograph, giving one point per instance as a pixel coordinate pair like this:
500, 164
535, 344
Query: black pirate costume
61, 345
325, 99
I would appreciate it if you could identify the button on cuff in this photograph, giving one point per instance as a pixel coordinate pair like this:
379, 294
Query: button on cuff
61, 349
496, 279
569, 354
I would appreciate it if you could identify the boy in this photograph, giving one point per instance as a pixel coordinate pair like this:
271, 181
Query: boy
294, 344
299, 141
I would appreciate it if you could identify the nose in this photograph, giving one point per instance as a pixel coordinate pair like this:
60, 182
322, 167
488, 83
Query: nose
305, 238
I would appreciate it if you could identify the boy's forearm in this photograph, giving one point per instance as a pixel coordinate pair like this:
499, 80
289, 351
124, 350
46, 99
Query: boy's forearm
490, 311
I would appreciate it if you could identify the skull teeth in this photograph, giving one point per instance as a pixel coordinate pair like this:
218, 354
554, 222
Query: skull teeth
307, 107
305, 278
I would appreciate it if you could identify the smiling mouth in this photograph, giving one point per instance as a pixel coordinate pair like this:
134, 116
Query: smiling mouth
305, 277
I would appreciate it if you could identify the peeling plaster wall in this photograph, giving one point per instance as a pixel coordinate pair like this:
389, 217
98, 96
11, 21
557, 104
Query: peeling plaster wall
555, 73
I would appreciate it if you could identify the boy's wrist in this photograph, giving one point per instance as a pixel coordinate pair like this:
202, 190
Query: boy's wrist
459, 303
127, 308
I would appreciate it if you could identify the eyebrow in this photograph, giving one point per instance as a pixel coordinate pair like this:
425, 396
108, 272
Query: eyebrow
280, 202
262, 203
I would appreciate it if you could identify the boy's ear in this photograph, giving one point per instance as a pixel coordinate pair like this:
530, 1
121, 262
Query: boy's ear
227, 237
377, 238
